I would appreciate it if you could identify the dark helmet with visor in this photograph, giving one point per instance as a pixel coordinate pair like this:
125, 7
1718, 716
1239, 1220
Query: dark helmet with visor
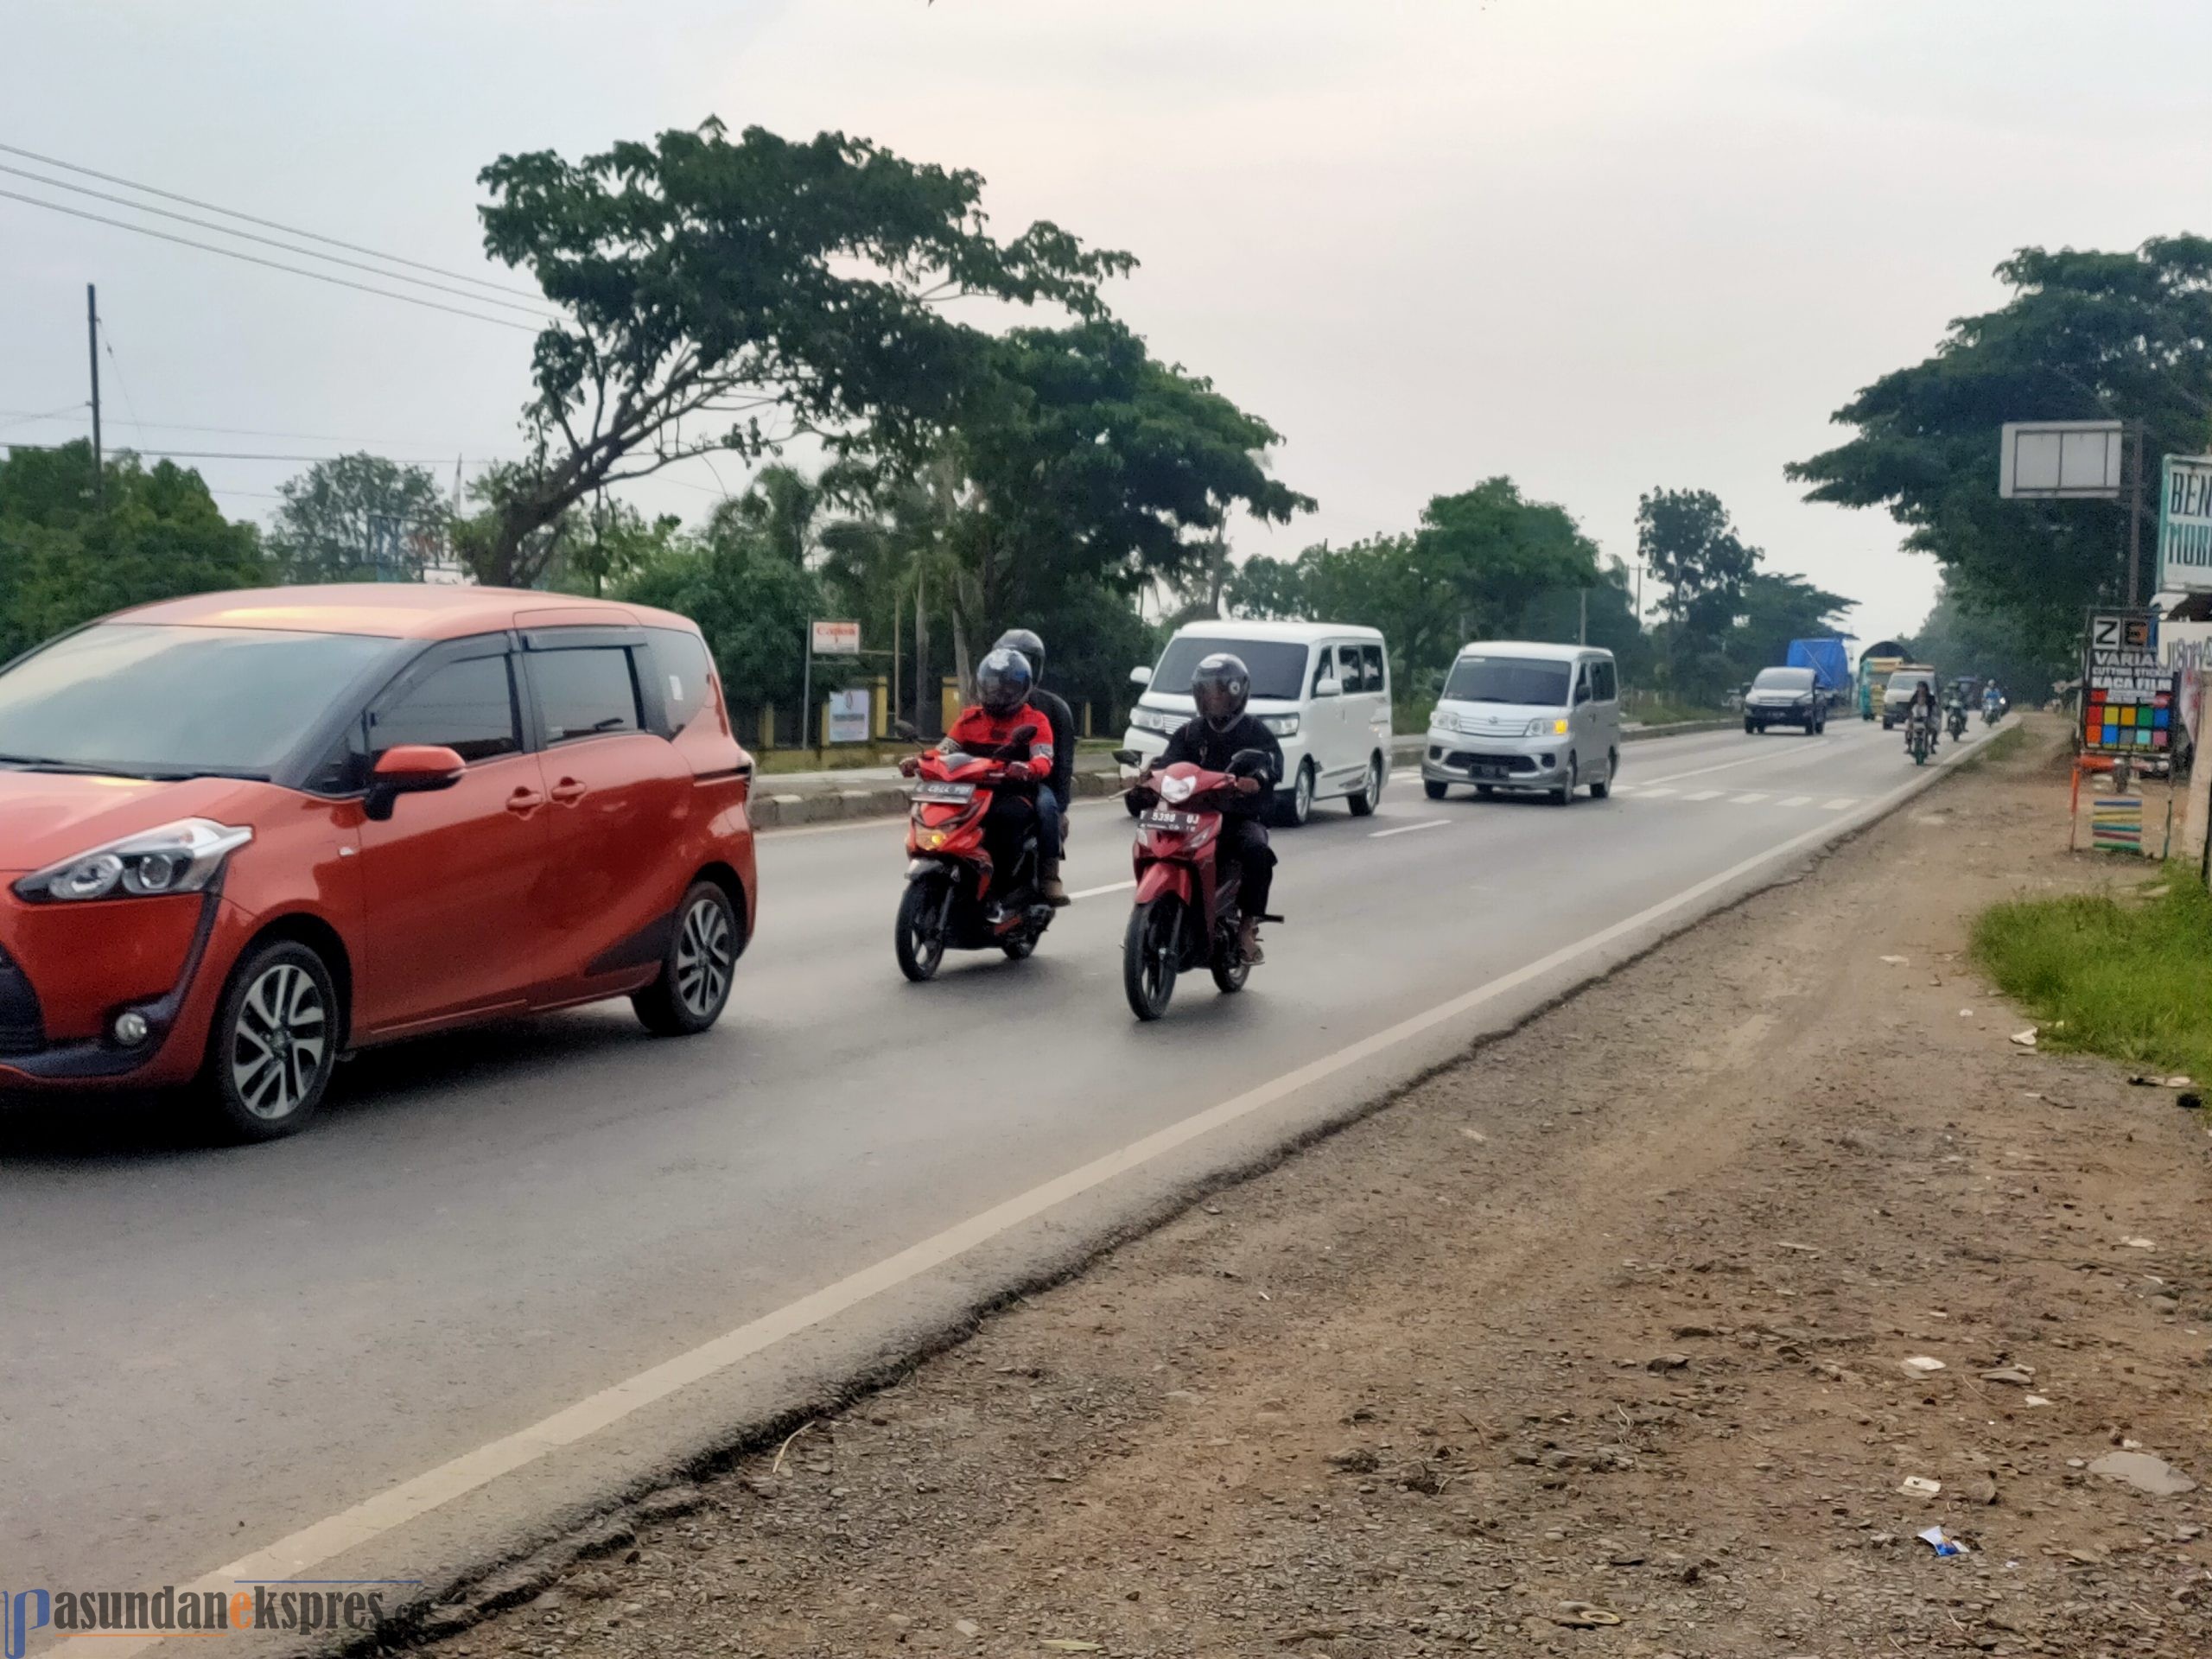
1221, 686
1002, 681
1026, 641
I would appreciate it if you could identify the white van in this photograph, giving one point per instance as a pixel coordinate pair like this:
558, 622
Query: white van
1518, 716
1323, 689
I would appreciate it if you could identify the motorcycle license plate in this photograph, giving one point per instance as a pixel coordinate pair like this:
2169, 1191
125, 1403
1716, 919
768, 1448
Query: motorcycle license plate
1178, 822
931, 788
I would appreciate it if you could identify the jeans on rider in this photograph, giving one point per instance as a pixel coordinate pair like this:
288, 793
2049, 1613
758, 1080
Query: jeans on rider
1050, 836
1011, 817
1245, 843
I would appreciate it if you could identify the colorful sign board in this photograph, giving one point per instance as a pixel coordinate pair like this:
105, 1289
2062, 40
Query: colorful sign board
2127, 694
837, 638
2116, 824
2185, 526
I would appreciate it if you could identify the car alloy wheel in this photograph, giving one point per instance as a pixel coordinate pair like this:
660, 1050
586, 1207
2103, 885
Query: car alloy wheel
273, 1044
697, 969
1370, 788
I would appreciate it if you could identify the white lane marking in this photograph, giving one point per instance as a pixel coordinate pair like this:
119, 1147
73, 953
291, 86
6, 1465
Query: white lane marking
1408, 829
1647, 790
1705, 794
313, 1545
1111, 886
1796, 800
1751, 799
1839, 803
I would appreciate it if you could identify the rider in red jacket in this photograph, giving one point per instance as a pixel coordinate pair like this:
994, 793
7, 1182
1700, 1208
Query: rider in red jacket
987, 728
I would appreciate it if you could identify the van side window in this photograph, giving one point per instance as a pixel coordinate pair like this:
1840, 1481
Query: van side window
1603, 683
1581, 685
1350, 669
1378, 678
1324, 666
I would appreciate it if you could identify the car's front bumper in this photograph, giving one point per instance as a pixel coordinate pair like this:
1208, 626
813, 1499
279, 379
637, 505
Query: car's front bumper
1504, 763
1782, 714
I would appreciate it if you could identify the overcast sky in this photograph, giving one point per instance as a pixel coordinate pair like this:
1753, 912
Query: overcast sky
1600, 246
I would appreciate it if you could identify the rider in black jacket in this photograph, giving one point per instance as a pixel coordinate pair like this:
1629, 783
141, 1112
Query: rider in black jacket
1220, 687
1052, 829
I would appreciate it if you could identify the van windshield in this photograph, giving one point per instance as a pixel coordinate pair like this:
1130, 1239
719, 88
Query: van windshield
1533, 682
1277, 667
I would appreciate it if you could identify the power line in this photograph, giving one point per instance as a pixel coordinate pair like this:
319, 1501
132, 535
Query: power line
537, 311
266, 223
240, 455
17, 418
256, 259
228, 432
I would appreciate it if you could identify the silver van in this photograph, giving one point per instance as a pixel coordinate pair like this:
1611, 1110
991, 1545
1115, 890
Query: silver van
1541, 718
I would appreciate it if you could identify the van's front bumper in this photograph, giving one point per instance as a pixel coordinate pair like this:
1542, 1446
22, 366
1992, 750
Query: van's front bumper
1503, 762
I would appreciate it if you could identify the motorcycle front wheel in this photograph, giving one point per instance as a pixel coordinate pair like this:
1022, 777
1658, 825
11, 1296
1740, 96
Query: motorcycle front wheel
1151, 951
918, 937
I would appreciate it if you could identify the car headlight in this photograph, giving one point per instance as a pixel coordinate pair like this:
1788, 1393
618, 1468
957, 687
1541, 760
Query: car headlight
1539, 728
180, 857
1150, 720
1281, 725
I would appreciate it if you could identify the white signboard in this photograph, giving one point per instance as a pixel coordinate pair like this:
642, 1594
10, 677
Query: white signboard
849, 716
2185, 526
2042, 460
837, 638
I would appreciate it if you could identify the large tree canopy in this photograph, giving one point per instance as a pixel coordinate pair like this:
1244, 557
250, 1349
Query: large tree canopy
726, 295
2085, 335
358, 518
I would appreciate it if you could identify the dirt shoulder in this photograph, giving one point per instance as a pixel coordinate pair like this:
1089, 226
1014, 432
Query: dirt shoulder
1614, 1315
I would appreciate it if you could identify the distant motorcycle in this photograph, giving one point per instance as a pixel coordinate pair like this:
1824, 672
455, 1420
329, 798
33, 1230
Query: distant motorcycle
1992, 713
1957, 721
1919, 741
1186, 913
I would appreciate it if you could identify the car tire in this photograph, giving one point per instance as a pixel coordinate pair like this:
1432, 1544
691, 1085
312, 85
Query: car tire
1564, 795
1485, 792
1603, 789
1369, 796
1433, 789
273, 1044
1749, 730
697, 969
1294, 806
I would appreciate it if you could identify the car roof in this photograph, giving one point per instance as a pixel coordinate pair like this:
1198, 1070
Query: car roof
1536, 649
400, 610
1302, 633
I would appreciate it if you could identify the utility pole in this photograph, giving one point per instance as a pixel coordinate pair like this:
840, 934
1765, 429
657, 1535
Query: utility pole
2135, 516
93, 340
1582, 626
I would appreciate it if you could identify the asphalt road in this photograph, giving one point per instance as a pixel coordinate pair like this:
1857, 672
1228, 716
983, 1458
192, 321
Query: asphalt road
207, 1351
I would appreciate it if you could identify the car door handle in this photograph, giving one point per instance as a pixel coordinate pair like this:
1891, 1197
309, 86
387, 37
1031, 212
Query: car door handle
568, 791
524, 802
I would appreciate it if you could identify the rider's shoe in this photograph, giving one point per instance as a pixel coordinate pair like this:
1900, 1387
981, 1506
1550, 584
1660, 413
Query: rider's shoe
1248, 942
1048, 884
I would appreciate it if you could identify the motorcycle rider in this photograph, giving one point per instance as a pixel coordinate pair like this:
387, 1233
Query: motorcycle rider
1051, 802
1920, 712
1221, 686
1992, 699
986, 727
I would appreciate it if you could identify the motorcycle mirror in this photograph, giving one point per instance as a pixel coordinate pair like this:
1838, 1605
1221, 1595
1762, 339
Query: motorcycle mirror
1128, 757
1246, 762
906, 728
1022, 733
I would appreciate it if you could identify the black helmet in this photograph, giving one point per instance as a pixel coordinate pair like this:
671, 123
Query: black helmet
1002, 681
1220, 686
1025, 642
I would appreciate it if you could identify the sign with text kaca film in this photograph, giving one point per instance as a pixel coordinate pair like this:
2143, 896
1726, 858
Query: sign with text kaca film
2127, 694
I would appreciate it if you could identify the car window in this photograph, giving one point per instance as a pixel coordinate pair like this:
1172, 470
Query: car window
1351, 672
1603, 683
1276, 666
1783, 679
681, 661
1535, 682
585, 693
467, 706
1378, 678
1324, 666
1582, 684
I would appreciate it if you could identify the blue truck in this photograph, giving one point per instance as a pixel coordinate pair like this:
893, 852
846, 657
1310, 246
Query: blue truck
1830, 662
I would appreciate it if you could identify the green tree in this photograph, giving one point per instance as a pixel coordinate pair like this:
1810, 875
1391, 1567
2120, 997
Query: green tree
2085, 335
358, 518
1685, 538
1991, 644
721, 295
751, 601
152, 533
1776, 609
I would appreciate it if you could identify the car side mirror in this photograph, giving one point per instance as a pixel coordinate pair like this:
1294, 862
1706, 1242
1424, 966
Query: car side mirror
409, 769
1141, 675
1326, 686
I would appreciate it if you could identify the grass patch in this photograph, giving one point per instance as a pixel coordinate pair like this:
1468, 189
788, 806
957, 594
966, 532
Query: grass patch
2130, 979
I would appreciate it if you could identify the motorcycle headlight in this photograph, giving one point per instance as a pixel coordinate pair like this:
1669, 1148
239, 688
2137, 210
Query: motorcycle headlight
180, 857
1281, 725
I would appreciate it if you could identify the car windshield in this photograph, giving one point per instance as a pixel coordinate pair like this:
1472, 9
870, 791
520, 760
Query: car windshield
1783, 679
1534, 681
1277, 666
160, 701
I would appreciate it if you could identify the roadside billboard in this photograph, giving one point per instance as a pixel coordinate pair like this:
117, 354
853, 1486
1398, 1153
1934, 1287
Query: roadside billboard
849, 716
2185, 526
837, 638
2059, 461
2128, 692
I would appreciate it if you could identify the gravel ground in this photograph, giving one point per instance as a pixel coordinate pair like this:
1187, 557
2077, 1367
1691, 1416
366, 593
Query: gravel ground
1595, 1343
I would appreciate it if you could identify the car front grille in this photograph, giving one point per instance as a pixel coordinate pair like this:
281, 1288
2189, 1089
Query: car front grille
22, 1027
1463, 760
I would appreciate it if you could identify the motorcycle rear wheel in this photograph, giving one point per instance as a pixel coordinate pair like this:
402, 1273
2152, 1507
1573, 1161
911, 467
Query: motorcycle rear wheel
1152, 953
918, 940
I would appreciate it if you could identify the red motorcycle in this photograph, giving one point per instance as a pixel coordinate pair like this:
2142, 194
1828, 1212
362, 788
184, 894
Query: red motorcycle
1186, 915
955, 899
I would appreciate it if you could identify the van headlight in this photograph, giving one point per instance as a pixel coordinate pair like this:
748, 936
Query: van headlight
1555, 728
180, 857
1281, 725
1152, 720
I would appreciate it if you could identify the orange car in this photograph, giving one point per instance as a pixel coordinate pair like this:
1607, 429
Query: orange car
244, 833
